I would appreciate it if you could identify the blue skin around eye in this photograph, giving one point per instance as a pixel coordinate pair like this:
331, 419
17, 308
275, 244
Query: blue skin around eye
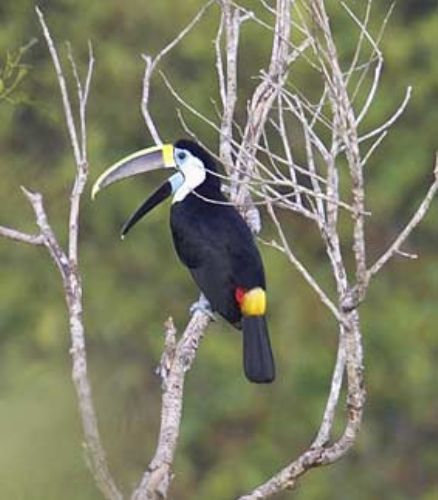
176, 181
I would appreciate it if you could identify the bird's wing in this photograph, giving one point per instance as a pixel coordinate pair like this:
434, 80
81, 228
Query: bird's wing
247, 266
220, 252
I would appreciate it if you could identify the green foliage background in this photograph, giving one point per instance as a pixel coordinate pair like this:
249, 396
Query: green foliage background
234, 434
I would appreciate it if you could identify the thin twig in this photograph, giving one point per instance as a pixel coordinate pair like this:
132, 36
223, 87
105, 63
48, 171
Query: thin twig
265, 93
324, 433
399, 111
231, 20
152, 63
14, 234
50, 240
303, 271
410, 226
63, 87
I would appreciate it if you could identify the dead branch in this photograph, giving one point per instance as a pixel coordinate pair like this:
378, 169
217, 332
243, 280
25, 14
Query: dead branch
150, 65
13, 234
410, 226
67, 262
177, 359
260, 105
345, 140
96, 457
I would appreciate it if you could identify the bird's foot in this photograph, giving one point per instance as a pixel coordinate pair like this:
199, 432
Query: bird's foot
203, 305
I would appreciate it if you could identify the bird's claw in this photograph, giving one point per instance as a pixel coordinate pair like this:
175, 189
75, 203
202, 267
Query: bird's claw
203, 305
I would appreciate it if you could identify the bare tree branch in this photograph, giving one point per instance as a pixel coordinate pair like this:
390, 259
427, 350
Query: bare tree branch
67, 263
231, 20
303, 271
410, 226
63, 87
345, 139
399, 111
319, 453
150, 66
13, 234
177, 360
328, 418
260, 105
96, 457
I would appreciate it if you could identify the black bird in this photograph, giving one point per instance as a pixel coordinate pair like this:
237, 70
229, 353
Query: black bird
211, 239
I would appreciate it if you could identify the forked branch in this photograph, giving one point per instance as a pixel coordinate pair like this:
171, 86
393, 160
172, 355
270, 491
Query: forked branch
67, 262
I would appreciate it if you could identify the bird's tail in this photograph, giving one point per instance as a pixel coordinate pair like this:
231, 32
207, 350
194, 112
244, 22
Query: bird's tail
258, 360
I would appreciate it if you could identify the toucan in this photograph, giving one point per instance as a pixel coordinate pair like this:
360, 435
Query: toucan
211, 238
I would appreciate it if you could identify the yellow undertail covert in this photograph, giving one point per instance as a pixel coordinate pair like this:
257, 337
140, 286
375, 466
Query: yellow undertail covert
254, 302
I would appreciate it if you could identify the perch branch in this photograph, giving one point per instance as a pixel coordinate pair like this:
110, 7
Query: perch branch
177, 360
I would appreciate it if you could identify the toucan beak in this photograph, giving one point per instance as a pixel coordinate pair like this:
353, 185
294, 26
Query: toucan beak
140, 162
158, 196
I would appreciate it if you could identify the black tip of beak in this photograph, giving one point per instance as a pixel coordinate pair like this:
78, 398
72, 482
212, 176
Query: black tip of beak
163, 192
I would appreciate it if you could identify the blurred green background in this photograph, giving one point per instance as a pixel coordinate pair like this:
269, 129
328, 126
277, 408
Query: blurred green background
234, 434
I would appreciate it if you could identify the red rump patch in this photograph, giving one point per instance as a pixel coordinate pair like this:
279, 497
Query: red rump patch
239, 294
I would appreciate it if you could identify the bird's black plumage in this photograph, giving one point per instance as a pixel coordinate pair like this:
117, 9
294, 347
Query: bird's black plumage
215, 243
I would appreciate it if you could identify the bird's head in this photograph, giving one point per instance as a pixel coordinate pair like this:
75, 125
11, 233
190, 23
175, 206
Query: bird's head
198, 168
195, 171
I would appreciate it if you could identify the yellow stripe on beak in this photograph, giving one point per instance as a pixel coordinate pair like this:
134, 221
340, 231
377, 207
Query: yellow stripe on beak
168, 158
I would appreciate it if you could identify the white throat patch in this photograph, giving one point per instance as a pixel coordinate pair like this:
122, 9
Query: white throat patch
194, 175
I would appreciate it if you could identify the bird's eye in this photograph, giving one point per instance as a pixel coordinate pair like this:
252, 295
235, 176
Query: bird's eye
181, 155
